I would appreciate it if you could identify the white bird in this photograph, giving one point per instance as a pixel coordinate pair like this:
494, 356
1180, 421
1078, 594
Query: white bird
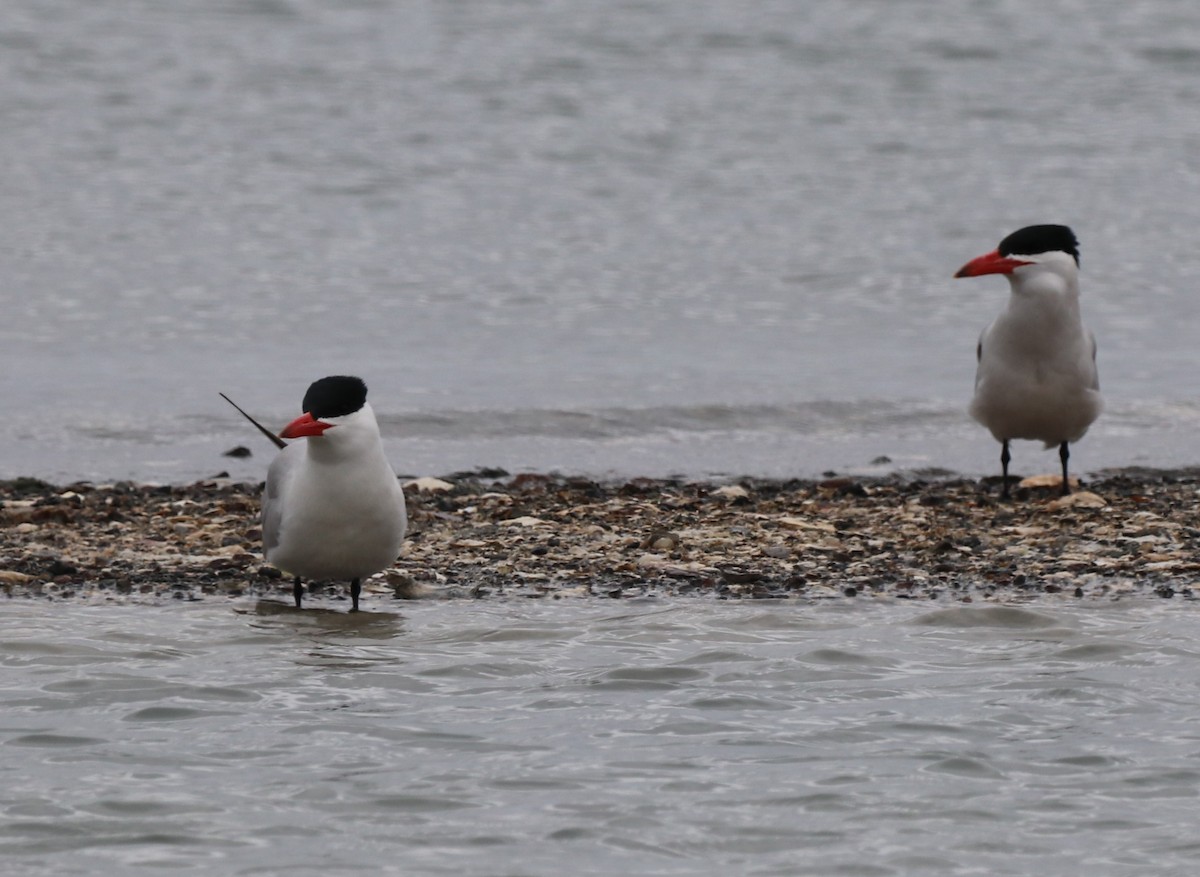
1036, 376
332, 507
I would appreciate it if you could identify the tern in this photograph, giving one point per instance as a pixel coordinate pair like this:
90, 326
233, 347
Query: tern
332, 507
1036, 376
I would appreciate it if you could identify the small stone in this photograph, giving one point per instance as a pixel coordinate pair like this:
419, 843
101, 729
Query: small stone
12, 577
740, 576
790, 523
731, 491
241, 451
404, 587
1082, 499
528, 521
428, 485
1045, 482
844, 487
661, 540
60, 567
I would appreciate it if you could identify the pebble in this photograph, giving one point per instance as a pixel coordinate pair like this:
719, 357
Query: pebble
661, 541
1046, 482
528, 521
790, 523
731, 491
1079, 500
428, 485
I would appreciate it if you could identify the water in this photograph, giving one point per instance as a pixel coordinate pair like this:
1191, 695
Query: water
650, 737
610, 238
630, 238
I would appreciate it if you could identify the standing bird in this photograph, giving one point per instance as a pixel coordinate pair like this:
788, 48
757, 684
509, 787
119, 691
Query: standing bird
1036, 377
332, 508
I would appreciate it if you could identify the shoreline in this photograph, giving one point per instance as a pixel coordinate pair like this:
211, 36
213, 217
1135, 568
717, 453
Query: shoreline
488, 534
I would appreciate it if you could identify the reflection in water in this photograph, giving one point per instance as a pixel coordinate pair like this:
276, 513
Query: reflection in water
333, 639
276, 614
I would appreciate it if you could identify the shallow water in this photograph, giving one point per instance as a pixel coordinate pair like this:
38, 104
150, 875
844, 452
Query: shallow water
649, 737
632, 238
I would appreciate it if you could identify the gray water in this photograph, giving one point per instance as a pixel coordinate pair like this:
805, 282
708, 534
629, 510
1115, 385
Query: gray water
651, 737
611, 238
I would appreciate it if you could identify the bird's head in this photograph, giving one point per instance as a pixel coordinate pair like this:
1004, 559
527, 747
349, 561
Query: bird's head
329, 403
1029, 250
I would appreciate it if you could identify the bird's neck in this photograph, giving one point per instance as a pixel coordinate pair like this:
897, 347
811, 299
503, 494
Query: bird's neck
1048, 296
354, 439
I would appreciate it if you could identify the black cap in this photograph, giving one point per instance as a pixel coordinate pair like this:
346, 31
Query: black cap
1034, 239
334, 396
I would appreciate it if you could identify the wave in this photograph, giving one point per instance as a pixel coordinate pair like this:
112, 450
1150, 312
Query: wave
831, 418
816, 418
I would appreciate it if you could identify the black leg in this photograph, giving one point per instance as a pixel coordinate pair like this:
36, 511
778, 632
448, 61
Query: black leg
1005, 457
1064, 454
297, 591
355, 590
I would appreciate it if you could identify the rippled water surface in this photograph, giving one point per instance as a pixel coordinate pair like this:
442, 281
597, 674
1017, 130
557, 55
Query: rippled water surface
627, 237
650, 737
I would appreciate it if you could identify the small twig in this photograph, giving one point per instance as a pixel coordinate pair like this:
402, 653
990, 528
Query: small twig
275, 440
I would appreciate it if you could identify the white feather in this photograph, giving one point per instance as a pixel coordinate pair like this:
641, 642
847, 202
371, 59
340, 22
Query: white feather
332, 507
1036, 377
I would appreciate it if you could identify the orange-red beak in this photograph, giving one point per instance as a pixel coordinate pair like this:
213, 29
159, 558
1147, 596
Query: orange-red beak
303, 426
990, 263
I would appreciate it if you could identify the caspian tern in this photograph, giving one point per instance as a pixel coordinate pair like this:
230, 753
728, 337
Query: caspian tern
332, 507
1036, 376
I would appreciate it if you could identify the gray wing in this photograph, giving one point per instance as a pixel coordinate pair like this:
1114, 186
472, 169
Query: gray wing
1095, 371
272, 502
979, 355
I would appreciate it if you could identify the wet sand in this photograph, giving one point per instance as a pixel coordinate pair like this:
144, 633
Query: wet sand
489, 535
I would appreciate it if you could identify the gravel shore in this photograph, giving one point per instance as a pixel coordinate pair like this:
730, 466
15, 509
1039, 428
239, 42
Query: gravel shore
487, 535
